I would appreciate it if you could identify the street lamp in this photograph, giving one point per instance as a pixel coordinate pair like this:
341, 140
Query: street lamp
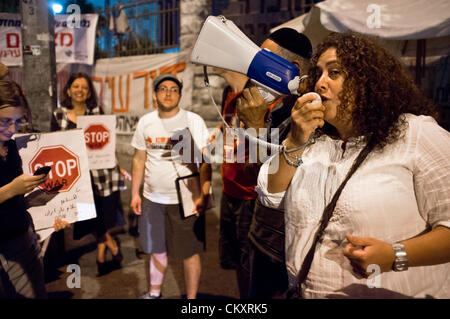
57, 8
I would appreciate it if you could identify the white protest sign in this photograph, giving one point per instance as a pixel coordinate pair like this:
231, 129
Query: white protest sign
67, 192
75, 44
72, 45
100, 137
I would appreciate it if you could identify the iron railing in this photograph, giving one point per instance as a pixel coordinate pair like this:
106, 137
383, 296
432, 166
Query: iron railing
154, 27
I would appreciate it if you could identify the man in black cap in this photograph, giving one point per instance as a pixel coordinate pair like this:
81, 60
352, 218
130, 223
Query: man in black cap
162, 230
259, 263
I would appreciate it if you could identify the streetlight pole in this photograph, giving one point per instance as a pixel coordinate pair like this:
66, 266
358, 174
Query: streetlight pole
39, 63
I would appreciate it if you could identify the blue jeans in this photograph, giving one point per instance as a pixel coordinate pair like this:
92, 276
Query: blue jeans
21, 268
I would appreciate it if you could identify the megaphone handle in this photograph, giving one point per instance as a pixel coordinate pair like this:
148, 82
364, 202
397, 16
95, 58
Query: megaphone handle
235, 131
267, 93
269, 97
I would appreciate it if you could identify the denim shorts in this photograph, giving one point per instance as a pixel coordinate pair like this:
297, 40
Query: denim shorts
162, 229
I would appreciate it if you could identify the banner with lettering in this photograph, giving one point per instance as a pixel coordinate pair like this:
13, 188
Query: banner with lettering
100, 137
125, 85
10, 39
67, 192
74, 38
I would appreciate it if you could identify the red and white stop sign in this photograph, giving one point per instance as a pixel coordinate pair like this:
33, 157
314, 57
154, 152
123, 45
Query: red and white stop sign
96, 136
65, 167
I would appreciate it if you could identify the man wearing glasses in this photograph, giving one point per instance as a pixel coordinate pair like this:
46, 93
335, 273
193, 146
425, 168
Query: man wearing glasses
162, 230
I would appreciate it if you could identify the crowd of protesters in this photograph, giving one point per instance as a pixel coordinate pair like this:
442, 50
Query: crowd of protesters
361, 178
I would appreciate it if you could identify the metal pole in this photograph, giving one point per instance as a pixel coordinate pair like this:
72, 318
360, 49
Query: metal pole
420, 61
39, 64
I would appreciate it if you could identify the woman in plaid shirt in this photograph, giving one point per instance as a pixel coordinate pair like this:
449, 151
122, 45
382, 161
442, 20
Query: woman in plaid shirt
79, 99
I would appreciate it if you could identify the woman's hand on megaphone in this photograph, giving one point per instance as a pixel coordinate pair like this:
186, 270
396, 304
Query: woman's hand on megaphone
252, 108
306, 115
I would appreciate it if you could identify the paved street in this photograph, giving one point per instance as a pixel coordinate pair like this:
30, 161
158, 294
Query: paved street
132, 279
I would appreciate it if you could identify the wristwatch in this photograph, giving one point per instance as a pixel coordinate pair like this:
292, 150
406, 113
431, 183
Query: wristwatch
401, 259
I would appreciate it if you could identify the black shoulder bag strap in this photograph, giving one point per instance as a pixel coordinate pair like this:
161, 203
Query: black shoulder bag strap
295, 292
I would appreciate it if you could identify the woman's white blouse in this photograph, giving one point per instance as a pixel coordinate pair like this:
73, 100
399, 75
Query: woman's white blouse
394, 195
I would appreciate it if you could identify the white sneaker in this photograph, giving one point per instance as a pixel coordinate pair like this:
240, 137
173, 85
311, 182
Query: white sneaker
149, 296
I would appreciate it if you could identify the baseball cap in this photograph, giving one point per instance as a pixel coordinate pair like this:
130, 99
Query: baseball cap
167, 76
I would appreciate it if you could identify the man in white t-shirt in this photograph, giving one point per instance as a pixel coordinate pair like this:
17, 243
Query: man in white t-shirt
162, 230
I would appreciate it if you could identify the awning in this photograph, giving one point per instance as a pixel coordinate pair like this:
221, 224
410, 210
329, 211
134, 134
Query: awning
393, 19
409, 21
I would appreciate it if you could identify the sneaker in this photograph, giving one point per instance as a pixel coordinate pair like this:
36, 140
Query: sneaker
139, 253
149, 296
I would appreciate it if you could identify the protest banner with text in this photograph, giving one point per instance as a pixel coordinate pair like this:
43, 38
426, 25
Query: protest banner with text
72, 44
125, 85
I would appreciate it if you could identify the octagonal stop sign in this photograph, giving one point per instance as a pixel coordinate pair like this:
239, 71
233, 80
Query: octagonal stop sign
96, 136
65, 167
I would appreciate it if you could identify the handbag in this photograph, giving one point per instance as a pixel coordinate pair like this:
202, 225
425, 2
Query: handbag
295, 292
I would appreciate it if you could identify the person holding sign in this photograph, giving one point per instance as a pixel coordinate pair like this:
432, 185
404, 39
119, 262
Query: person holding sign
79, 99
21, 268
162, 229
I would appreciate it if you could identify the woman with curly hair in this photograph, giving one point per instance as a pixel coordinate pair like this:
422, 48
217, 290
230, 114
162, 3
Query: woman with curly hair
366, 178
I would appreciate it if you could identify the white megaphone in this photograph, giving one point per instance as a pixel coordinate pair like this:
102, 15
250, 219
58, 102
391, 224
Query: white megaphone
222, 44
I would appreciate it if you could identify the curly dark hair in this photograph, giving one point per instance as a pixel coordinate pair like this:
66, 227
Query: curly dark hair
66, 101
376, 84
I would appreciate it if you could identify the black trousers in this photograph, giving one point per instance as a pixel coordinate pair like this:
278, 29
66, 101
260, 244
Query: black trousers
268, 277
21, 268
235, 219
268, 274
